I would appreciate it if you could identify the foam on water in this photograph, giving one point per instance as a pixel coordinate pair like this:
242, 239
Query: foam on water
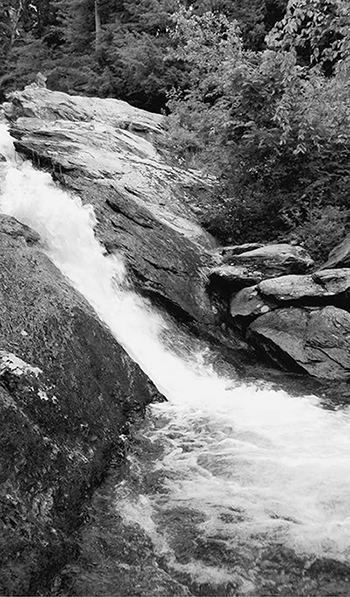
281, 461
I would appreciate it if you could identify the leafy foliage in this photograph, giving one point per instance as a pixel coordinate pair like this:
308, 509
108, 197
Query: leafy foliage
276, 132
316, 29
112, 48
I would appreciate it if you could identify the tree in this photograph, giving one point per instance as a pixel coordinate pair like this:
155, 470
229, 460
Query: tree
26, 39
275, 133
316, 30
11, 13
98, 28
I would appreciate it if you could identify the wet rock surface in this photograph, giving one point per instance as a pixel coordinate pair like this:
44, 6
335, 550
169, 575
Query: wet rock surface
116, 556
66, 391
101, 150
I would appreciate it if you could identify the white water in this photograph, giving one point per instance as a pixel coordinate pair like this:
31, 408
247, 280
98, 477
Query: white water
281, 461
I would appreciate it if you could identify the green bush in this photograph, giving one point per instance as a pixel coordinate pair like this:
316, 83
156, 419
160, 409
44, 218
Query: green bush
275, 133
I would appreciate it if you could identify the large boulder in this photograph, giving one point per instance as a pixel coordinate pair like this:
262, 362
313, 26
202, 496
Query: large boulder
66, 391
340, 255
231, 278
39, 102
228, 252
240, 266
312, 340
272, 260
99, 150
325, 283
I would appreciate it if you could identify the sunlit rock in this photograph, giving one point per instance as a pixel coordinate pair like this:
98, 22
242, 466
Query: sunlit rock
273, 260
324, 283
41, 103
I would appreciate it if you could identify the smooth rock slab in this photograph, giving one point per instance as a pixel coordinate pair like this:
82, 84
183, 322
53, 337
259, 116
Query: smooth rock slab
313, 340
325, 283
232, 250
235, 277
42, 103
274, 260
136, 195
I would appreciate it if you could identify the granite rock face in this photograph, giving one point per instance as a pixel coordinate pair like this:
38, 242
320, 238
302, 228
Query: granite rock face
102, 151
39, 102
66, 391
311, 340
322, 284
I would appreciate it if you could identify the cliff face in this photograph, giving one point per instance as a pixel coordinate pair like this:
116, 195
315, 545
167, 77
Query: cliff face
66, 390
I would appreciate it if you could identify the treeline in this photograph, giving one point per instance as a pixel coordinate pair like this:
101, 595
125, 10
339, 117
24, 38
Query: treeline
111, 48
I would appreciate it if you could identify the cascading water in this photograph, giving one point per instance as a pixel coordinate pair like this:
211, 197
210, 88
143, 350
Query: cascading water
258, 466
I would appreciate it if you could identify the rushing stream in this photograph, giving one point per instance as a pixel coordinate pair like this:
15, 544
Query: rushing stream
246, 467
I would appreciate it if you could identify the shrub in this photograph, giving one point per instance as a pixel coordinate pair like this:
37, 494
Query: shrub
277, 135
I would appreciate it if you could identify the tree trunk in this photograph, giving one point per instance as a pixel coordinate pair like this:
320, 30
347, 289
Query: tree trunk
97, 26
15, 15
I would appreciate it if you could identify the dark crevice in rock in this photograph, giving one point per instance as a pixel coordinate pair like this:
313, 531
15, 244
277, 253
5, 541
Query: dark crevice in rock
118, 209
159, 266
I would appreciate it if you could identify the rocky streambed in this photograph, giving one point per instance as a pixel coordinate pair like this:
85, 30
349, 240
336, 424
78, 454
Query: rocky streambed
105, 152
68, 389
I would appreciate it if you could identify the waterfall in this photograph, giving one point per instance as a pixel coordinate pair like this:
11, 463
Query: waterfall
281, 462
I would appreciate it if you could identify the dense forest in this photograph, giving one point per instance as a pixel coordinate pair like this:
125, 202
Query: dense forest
257, 92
